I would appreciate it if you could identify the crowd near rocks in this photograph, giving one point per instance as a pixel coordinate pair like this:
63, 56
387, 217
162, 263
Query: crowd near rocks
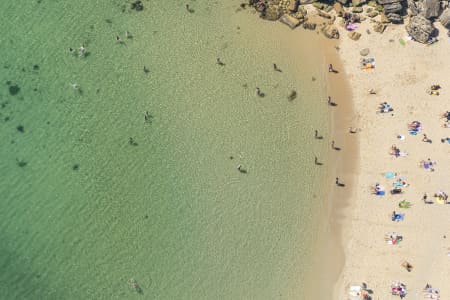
418, 15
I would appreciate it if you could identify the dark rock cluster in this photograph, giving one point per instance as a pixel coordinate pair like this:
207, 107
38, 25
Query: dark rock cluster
418, 15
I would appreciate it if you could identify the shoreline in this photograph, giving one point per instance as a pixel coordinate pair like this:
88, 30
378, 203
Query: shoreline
331, 258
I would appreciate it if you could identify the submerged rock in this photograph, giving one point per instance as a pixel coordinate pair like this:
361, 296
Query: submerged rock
137, 5
14, 89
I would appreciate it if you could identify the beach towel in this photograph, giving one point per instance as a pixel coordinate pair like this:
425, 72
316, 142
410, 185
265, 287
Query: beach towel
413, 131
404, 204
380, 193
398, 217
389, 175
439, 200
351, 27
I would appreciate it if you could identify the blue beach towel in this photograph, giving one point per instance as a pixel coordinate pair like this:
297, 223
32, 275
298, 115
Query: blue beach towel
389, 175
398, 217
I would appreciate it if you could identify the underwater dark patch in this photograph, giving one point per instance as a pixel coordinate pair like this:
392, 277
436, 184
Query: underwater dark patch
14, 89
20, 128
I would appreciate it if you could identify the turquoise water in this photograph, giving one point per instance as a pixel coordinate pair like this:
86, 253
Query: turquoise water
83, 211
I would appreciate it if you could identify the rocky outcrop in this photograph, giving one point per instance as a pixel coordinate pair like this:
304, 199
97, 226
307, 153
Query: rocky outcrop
445, 18
431, 8
293, 13
420, 29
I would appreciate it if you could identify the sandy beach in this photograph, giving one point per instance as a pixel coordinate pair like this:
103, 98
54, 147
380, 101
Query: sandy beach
403, 74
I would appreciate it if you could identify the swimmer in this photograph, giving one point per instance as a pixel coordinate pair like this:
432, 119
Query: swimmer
189, 9
146, 70
220, 63
259, 93
275, 67
82, 51
119, 40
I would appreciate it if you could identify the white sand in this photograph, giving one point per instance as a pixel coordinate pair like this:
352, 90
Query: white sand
401, 77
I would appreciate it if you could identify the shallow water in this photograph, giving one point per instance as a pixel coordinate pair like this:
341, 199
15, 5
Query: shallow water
84, 211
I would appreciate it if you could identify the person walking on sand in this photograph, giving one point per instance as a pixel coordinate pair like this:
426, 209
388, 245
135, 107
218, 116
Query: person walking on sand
275, 67
332, 145
337, 181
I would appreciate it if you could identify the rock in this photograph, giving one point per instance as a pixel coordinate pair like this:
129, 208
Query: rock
358, 2
372, 14
384, 19
420, 29
309, 26
343, 2
395, 18
339, 9
354, 35
272, 13
319, 5
303, 2
379, 27
431, 8
445, 18
330, 31
384, 2
392, 8
323, 14
413, 7
293, 5
357, 10
302, 10
137, 5
289, 21
364, 52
